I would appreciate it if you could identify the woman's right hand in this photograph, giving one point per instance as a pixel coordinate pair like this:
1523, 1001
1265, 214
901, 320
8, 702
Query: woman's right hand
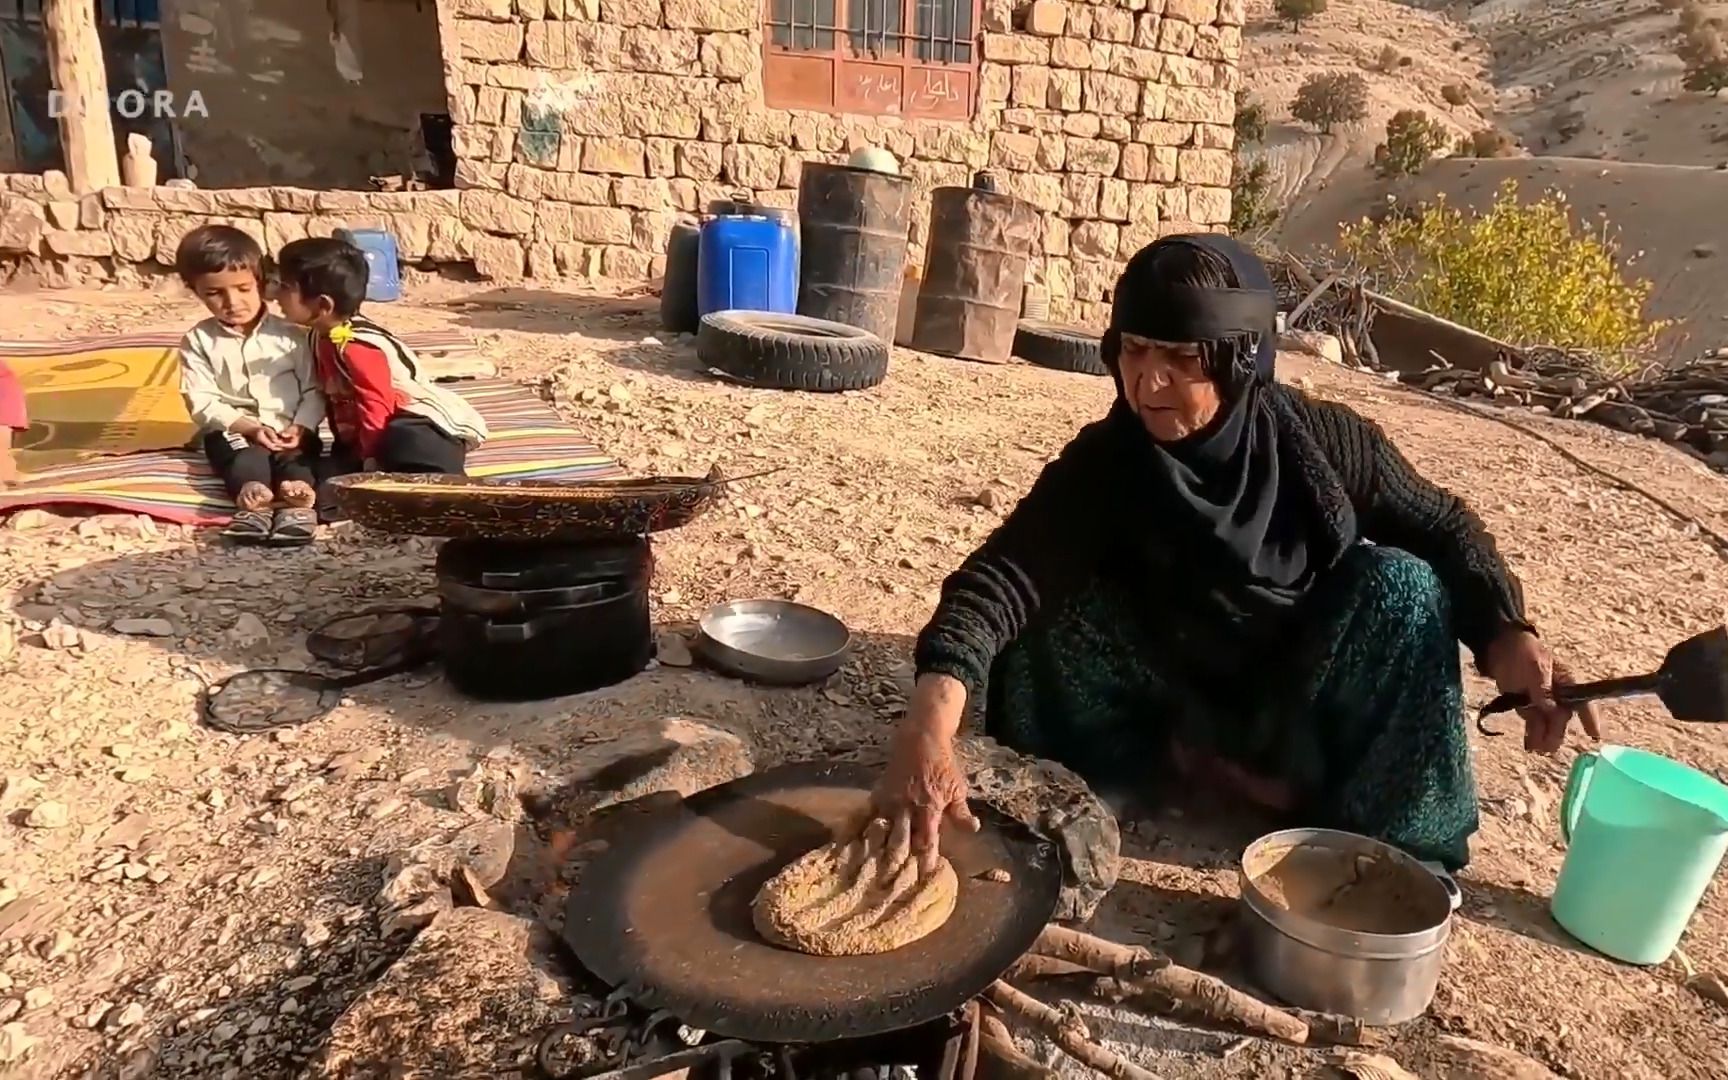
922, 786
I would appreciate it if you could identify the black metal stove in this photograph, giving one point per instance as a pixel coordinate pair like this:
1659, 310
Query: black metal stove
612, 1038
661, 924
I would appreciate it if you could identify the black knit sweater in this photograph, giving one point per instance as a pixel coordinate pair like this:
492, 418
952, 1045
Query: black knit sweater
1076, 522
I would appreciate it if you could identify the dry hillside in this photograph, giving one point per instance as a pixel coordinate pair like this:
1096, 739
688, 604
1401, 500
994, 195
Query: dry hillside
1570, 79
1427, 51
1668, 220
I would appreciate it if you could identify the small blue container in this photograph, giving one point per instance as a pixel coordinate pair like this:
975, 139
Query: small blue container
747, 262
384, 277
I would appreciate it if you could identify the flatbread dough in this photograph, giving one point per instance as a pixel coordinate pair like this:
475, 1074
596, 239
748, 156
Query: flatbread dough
834, 901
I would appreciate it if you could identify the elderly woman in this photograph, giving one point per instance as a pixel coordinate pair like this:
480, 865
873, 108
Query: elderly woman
1227, 578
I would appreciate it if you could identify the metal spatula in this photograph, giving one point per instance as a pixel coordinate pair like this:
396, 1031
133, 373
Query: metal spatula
1692, 684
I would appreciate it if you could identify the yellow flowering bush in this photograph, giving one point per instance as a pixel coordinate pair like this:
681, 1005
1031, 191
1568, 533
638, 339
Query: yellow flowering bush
1524, 272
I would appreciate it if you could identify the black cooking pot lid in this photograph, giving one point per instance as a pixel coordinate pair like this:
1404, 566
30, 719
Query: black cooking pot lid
666, 912
505, 564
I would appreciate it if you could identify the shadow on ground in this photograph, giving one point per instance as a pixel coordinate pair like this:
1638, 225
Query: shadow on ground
216, 610
1519, 910
288, 982
632, 324
545, 311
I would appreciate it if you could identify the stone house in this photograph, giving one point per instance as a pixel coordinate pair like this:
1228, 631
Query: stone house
584, 129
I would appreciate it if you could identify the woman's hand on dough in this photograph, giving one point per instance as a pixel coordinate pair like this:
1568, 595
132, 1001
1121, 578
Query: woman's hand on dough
923, 786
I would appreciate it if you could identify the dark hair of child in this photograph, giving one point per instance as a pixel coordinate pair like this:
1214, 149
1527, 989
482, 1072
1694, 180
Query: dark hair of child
326, 267
216, 249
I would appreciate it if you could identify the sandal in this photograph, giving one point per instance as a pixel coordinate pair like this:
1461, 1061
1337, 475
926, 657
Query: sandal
248, 526
294, 526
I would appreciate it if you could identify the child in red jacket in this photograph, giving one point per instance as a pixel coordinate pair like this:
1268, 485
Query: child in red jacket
12, 418
383, 415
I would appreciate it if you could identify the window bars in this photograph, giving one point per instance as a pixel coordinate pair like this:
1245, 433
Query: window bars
942, 30
122, 13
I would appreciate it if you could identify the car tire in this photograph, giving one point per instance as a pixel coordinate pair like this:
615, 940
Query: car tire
1061, 348
791, 352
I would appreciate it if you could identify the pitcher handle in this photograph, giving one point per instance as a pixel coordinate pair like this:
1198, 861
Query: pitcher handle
1577, 786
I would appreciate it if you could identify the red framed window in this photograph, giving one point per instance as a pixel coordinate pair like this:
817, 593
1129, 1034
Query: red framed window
913, 58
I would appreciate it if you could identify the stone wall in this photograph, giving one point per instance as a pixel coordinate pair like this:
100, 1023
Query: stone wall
125, 233
585, 128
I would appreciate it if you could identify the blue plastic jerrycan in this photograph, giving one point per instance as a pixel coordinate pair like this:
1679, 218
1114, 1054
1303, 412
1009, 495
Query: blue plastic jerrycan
383, 262
747, 262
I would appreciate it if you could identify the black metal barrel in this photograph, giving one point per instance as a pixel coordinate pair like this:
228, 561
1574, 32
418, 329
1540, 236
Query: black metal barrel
974, 272
853, 225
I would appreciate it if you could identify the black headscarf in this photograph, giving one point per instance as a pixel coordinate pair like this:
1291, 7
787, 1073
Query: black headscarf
1230, 490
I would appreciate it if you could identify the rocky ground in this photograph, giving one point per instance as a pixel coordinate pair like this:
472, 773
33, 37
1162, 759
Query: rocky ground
180, 903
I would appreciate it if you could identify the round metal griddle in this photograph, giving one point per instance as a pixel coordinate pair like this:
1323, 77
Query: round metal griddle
666, 913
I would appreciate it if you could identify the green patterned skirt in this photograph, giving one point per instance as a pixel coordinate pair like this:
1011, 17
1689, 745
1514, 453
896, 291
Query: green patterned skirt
1356, 703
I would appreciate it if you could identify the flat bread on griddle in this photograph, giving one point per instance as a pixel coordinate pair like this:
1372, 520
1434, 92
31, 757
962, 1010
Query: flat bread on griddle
836, 901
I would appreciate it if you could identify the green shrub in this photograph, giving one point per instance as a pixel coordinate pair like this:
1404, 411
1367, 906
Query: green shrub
1454, 95
1412, 138
1294, 11
1707, 77
1705, 58
1251, 208
1251, 121
1486, 143
1332, 98
1526, 273
1390, 59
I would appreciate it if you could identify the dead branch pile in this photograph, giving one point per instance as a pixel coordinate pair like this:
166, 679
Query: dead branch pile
1333, 303
1086, 966
1120, 974
1684, 405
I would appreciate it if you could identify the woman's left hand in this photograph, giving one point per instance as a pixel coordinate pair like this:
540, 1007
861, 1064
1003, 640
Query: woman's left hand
1519, 663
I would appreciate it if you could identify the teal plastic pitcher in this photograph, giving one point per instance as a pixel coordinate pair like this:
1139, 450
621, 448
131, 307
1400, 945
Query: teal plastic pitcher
1644, 837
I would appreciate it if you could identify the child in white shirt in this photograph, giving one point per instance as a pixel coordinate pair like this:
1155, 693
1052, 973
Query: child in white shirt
248, 382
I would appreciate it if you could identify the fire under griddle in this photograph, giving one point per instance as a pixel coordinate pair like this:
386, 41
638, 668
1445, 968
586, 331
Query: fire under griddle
613, 1038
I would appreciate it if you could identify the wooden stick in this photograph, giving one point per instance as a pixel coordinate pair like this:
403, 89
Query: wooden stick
1153, 980
1334, 1030
1308, 302
1094, 953
1369, 1066
79, 76
999, 1058
1381, 300
1502, 373
1469, 1057
1300, 272
1032, 967
1178, 989
1065, 1030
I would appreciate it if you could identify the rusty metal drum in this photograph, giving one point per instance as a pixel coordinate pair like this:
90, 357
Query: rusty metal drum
974, 272
854, 224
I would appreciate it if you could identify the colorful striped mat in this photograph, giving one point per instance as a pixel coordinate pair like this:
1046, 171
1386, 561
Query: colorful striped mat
528, 442
427, 341
120, 394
